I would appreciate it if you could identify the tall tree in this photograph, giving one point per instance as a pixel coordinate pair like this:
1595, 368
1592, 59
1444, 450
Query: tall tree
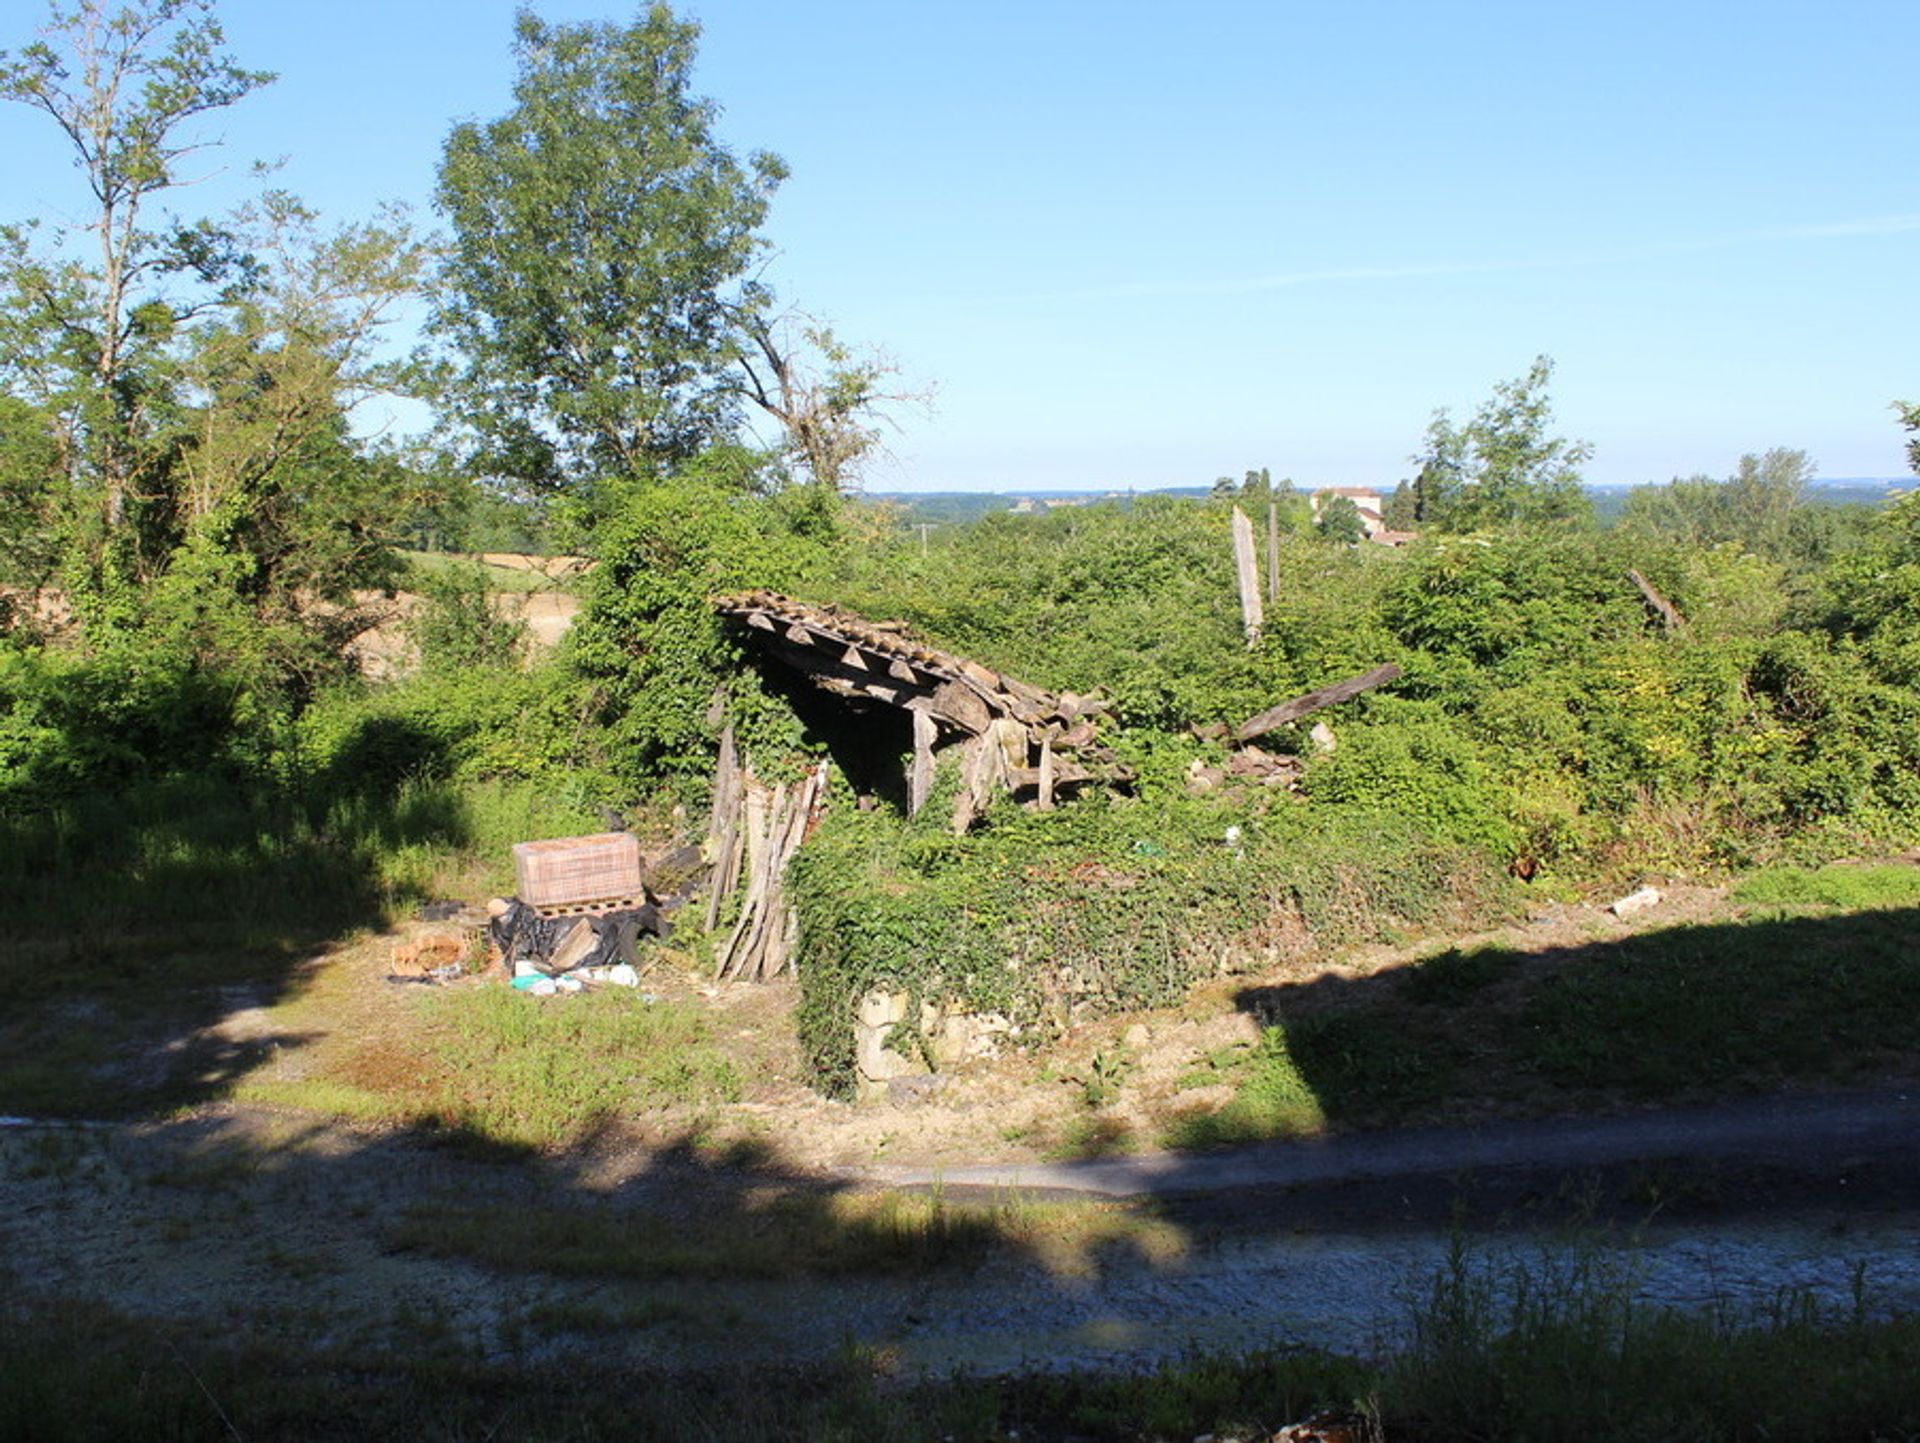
279, 511
602, 238
829, 400
1910, 418
1402, 511
1503, 467
123, 84
1340, 520
178, 409
1763, 507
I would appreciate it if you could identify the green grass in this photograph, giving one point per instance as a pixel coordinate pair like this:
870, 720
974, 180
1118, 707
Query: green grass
548, 1072
1735, 1006
772, 1234
1850, 888
136, 920
1274, 1100
1453, 977
1685, 1012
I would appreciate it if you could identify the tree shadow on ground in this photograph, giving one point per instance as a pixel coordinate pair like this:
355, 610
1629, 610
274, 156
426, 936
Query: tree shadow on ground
628, 1263
140, 917
1675, 1014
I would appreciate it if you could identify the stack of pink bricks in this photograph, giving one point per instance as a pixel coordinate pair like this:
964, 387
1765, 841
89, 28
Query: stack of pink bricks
569, 870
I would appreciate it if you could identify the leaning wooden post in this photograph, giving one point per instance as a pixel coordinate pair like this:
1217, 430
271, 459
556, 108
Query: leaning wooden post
1273, 553
1248, 571
920, 771
1313, 701
1669, 614
723, 824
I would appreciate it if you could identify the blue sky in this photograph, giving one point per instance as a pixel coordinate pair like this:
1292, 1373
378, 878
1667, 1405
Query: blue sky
1141, 245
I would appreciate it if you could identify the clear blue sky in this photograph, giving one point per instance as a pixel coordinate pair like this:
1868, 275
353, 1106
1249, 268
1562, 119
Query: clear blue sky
1139, 244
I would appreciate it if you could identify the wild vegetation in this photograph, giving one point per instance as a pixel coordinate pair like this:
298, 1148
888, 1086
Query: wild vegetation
201, 794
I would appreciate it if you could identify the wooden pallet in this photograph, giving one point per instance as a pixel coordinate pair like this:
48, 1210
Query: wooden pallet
590, 909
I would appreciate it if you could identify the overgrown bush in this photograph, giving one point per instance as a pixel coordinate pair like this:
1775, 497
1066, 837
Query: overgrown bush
458, 626
662, 667
1105, 905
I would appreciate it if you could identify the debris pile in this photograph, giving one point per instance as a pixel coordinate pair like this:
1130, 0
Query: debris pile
582, 908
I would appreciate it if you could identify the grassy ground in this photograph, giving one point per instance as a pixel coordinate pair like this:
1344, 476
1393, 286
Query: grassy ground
140, 923
1545, 1353
206, 948
1806, 977
144, 928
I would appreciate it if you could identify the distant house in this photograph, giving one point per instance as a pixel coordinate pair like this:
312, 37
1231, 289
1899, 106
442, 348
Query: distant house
1366, 501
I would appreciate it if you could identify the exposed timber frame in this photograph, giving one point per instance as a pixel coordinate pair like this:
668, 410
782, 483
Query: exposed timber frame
1015, 736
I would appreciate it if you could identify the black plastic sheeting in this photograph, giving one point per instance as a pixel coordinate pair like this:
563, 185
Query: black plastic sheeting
522, 935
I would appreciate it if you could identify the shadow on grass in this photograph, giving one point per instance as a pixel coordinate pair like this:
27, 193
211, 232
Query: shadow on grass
1682, 1013
137, 920
609, 1289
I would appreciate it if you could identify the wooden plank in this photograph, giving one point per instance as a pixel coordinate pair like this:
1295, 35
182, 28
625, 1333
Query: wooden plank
957, 703
720, 823
920, 771
1045, 799
1247, 570
975, 757
727, 962
1313, 701
1670, 616
1012, 740
1066, 773
1273, 553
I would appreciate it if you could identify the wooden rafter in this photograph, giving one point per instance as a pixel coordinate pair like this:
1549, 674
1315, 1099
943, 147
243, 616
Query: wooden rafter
952, 698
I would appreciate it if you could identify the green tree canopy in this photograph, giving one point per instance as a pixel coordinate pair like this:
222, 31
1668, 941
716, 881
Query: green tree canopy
1763, 507
1340, 520
1503, 467
91, 343
603, 238
177, 457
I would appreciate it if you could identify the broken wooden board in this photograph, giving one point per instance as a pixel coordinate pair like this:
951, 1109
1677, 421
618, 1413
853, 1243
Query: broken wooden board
1313, 701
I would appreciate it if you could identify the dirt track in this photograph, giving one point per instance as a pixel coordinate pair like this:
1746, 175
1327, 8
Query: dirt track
245, 1217
1809, 1134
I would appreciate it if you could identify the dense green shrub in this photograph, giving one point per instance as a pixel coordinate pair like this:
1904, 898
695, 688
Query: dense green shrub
467, 724
458, 625
661, 665
70, 723
1108, 904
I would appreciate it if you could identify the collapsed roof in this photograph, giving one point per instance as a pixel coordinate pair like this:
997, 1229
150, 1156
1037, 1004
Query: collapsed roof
1016, 735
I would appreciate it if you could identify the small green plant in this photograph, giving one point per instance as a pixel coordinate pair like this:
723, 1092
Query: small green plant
1274, 1100
459, 625
1106, 1074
